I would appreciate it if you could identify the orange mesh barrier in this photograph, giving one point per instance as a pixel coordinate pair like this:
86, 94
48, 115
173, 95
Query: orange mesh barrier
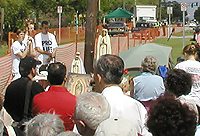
68, 34
5, 72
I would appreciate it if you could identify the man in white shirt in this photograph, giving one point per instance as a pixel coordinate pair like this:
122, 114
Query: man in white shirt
108, 73
45, 44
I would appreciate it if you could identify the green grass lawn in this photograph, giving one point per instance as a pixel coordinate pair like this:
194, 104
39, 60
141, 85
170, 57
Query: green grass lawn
175, 43
187, 33
3, 50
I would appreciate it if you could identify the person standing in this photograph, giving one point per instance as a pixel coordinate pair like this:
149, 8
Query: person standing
191, 66
45, 43
16, 90
28, 38
108, 73
57, 99
19, 50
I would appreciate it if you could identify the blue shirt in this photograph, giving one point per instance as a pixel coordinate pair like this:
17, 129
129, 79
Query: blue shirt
148, 86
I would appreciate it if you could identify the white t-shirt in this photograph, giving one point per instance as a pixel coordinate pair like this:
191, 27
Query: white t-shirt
192, 67
16, 48
46, 42
26, 40
123, 106
197, 38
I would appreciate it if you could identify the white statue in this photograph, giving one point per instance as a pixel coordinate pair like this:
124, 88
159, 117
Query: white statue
77, 65
103, 44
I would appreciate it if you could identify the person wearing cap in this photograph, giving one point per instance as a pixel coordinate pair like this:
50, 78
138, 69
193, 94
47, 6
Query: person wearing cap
57, 99
108, 73
16, 90
45, 44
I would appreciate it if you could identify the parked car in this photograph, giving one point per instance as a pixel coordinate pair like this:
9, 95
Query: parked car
141, 26
117, 27
179, 24
192, 24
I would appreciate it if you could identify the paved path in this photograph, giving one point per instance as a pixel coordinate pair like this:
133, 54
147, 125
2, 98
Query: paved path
65, 54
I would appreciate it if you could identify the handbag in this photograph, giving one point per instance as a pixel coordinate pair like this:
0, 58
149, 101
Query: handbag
21, 124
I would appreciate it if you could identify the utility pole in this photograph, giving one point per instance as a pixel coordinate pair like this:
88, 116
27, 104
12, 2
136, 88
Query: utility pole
123, 4
169, 12
76, 23
90, 34
59, 23
183, 9
160, 6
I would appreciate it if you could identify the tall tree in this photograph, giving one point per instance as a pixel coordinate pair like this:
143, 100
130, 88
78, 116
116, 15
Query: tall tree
90, 34
197, 14
15, 13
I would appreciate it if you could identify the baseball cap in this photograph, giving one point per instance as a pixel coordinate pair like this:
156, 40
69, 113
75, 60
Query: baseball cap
116, 127
26, 64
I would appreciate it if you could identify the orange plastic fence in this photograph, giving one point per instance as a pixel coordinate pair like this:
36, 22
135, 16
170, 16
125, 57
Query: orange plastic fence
145, 34
68, 34
66, 53
5, 71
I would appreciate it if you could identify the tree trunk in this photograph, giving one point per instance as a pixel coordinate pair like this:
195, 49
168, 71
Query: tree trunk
90, 34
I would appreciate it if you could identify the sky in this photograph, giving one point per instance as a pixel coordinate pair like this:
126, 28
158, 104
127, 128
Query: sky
190, 10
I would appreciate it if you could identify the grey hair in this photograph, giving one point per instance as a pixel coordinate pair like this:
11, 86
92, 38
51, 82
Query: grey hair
149, 64
110, 67
68, 133
44, 125
92, 108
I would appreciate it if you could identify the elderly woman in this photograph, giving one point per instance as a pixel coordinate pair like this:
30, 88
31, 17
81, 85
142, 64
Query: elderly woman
148, 86
45, 125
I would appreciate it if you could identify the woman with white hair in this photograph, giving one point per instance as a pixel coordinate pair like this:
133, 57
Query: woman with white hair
148, 86
44, 125
91, 109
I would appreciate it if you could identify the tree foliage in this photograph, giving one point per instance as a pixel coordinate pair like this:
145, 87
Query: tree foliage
16, 11
197, 14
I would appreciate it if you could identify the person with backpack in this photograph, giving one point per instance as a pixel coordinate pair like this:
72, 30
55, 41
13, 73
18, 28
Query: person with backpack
19, 93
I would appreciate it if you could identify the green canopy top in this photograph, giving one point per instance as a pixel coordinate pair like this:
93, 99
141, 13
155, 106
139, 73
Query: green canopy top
119, 13
134, 56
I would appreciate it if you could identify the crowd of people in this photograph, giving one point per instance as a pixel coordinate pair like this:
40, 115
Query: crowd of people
37, 102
